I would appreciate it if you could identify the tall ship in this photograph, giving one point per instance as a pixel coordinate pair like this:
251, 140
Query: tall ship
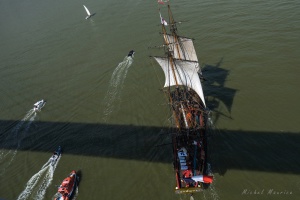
184, 91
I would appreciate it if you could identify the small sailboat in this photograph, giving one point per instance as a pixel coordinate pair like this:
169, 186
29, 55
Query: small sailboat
39, 105
88, 12
67, 188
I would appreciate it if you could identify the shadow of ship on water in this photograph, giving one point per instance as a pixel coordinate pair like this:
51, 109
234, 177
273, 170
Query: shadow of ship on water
244, 150
216, 93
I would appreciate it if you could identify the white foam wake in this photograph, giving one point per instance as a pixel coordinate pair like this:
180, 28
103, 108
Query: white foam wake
212, 192
37, 185
116, 85
14, 140
30, 115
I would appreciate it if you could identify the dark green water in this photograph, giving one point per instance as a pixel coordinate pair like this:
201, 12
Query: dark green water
250, 55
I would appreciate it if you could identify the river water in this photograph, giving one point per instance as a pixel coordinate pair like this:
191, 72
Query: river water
110, 116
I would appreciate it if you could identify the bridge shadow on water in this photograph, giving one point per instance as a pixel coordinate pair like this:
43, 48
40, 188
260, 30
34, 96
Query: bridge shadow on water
242, 150
276, 152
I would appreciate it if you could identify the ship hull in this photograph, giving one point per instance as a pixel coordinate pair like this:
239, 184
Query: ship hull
189, 141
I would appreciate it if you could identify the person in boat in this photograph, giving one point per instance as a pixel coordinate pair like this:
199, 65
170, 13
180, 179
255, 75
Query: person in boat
188, 182
130, 54
187, 173
37, 104
54, 156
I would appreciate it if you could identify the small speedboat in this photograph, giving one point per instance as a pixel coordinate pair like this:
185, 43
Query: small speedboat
56, 155
68, 187
39, 105
131, 53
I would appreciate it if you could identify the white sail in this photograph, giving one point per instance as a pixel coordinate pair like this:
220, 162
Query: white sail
182, 49
185, 73
87, 11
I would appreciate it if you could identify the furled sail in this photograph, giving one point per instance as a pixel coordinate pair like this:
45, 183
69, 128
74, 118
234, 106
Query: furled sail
182, 49
185, 73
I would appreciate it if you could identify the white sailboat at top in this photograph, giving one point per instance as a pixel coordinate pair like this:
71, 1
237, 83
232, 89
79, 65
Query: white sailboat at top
88, 12
186, 98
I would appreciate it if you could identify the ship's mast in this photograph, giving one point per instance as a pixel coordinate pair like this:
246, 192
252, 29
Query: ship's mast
170, 57
173, 30
169, 54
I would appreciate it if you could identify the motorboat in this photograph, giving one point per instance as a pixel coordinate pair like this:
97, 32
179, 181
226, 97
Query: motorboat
56, 155
39, 105
68, 187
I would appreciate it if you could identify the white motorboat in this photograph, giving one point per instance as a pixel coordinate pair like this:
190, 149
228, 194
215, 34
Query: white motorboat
39, 105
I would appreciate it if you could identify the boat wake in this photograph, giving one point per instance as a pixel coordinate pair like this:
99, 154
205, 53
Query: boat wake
211, 193
37, 185
13, 140
29, 117
115, 86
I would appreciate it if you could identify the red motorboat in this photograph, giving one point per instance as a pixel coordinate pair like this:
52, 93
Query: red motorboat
67, 188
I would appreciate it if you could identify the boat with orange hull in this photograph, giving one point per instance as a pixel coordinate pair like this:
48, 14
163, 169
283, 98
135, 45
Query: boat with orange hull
184, 91
67, 188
